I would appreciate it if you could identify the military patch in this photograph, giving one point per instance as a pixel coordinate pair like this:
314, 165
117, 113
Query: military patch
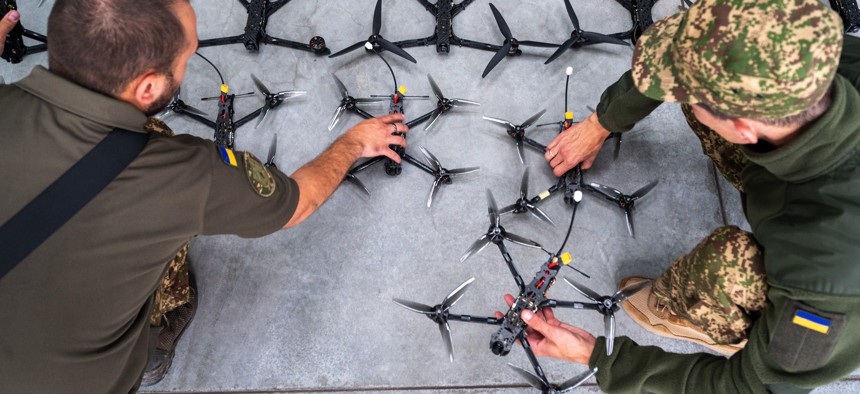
805, 336
259, 176
228, 156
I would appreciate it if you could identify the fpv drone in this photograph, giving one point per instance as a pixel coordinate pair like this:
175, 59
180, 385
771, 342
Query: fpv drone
849, 12
396, 100
255, 34
641, 13
570, 184
532, 296
15, 48
443, 36
224, 125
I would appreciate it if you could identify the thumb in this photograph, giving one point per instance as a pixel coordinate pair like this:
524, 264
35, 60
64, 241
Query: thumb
535, 322
8, 22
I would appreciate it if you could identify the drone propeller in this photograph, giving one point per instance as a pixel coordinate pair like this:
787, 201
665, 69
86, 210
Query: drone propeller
579, 35
377, 40
179, 107
511, 44
518, 132
273, 149
625, 202
608, 305
443, 175
347, 102
524, 205
544, 386
439, 313
444, 104
273, 99
496, 233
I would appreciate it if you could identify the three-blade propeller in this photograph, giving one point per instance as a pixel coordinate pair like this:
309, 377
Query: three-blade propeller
581, 36
444, 104
524, 205
377, 40
347, 102
273, 99
608, 305
496, 233
439, 313
625, 202
510, 45
518, 133
545, 387
442, 175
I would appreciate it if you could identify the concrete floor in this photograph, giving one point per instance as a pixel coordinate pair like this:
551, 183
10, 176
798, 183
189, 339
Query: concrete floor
310, 310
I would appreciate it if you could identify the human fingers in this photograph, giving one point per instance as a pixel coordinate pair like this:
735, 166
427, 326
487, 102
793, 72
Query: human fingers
399, 128
396, 140
391, 118
6, 25
387, 152
509, 299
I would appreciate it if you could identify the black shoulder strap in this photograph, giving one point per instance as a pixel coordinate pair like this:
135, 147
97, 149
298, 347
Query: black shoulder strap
51, 209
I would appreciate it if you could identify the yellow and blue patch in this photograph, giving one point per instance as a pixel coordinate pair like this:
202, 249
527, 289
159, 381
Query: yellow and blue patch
812, 322
227, 156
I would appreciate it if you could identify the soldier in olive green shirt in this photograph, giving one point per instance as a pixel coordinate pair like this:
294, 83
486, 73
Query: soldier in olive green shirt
762, 75
74, 313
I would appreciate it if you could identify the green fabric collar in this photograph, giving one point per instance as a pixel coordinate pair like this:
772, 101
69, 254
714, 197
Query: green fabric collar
82, 101
823, 145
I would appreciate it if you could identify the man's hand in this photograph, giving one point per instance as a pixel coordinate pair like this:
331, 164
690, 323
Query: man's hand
6, 24
549, 337
375, 135
578, 144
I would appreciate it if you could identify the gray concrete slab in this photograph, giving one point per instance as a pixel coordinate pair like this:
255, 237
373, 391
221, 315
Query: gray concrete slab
310, 310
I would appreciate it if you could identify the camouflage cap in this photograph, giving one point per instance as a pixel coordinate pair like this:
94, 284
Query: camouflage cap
759, 59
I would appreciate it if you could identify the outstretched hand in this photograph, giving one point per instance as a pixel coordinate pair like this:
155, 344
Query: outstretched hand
6, 25
578, 144
375, 135
549, 337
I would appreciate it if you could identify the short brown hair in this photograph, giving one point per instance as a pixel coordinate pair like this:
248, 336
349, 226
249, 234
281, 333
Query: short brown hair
104, 44
808, 115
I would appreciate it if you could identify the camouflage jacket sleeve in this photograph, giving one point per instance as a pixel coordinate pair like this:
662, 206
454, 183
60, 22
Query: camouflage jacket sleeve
780, 357
622, 106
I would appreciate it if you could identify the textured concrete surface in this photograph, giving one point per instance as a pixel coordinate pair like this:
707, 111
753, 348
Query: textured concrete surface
310, 310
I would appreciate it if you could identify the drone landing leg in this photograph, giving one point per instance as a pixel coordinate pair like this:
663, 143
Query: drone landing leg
510, 262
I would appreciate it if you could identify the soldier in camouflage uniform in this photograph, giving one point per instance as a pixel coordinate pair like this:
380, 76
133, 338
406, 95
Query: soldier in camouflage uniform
772, 89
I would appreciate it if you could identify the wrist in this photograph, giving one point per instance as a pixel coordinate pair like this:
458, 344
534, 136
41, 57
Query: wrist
588, 344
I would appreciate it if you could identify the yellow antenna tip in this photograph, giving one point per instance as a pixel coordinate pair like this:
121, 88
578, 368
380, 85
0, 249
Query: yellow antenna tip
568, 115
402, 89
224, 88
566, 259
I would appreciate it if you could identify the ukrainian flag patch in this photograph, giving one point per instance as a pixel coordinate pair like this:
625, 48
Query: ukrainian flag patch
812, 322
228, 156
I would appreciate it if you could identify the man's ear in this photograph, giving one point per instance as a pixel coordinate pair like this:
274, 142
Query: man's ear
746, 130
144, 90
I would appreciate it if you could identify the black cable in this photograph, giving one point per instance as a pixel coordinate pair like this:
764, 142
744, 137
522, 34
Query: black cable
566, 86
569, 229
211, 64
389, 68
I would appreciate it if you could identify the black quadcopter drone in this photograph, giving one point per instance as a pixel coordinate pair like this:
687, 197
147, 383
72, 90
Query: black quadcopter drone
641, 13
532, 296
224, 125
570, 184
15, 49
849, 12
396, 100
255, 34
443, 36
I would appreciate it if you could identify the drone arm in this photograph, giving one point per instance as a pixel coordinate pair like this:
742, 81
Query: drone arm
34, 35
535, 144
417, 163
430, 7
474, 44
531, 354
458, 8
546, 193
569, 305
220, 41
510, 262
474, 319
267, 39
248, 118
199, 119
362, 113
421, 119
367, 164
275, 5
419, 42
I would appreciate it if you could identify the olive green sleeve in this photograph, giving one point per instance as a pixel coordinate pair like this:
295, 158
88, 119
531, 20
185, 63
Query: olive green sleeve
622, 106
780, 357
